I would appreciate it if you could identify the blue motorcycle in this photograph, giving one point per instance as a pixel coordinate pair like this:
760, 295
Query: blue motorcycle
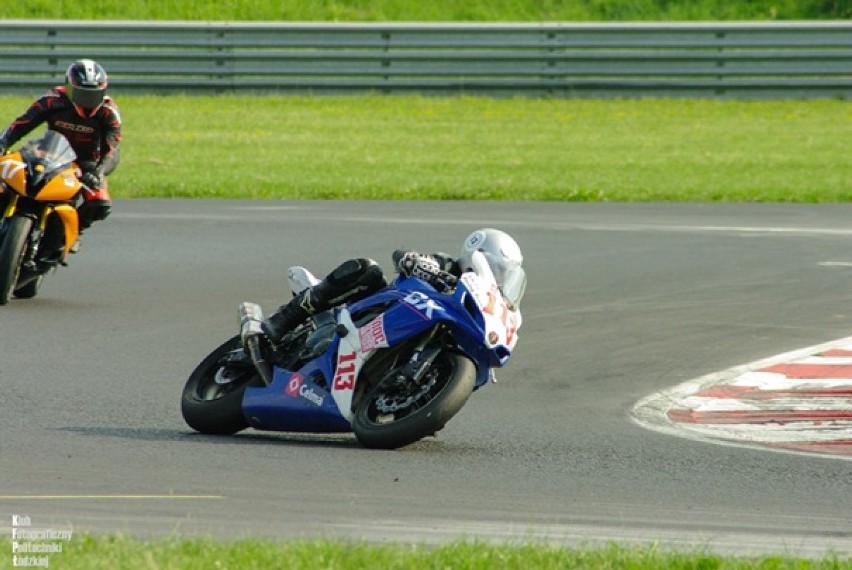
393, 368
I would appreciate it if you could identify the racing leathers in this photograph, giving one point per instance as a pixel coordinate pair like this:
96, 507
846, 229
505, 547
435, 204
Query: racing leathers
94, 134
354, 280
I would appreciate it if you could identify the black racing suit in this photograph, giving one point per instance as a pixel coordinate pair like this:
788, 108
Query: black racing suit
354, 280
95, 136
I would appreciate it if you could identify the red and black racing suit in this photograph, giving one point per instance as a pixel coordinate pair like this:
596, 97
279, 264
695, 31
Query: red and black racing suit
94, 135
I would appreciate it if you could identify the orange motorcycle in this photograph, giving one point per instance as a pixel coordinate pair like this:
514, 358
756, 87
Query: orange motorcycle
39, 225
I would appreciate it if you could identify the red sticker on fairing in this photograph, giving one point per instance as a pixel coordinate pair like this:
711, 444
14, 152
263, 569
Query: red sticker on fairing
294, 384
344, 378
373, 334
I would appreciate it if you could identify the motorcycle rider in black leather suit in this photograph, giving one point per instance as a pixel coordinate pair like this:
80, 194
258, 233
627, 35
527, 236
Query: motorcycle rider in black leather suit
82, 112
356, 279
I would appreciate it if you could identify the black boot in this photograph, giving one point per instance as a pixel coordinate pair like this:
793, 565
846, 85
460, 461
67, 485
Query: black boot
352, 280
288, 316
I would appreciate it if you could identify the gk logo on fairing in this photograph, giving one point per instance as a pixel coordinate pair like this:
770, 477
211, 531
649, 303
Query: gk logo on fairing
422, 303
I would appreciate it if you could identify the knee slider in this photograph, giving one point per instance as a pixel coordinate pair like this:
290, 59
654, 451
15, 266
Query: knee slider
352, 281
350, 272
373, 278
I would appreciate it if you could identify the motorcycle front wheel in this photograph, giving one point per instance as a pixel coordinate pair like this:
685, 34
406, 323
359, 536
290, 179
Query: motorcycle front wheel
29, 290
12, 252
213, 394
396, 413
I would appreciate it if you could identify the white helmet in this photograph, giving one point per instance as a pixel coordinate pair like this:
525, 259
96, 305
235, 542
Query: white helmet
504, 258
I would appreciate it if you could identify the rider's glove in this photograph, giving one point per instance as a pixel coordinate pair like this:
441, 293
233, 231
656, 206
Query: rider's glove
444, 281
91, 176
3, 147
426, 268
405, 264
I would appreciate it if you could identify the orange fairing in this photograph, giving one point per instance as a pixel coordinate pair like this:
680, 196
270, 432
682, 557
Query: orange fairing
70, 222
13, 171
62, 188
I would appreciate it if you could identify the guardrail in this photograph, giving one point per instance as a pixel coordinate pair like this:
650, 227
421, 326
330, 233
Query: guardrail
709, 60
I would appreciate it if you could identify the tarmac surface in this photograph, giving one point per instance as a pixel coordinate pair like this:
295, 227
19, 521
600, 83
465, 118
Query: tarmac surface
624, 301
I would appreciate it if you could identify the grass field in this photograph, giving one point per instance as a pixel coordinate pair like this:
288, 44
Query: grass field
434, 10
121, 553
378, 147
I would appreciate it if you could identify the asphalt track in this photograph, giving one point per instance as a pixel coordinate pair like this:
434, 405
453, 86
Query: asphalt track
624, 301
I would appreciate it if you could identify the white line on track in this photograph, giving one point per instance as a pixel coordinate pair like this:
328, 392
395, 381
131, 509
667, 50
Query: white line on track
238, 212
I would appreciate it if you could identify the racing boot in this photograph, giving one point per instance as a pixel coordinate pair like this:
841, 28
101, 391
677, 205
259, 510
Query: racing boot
352, 280
290, 315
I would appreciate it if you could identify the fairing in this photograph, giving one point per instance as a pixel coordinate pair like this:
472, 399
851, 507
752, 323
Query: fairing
318, 397
43, 169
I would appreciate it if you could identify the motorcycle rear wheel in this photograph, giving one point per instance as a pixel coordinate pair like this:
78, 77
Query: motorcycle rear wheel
392, 415
11, 254
213, 394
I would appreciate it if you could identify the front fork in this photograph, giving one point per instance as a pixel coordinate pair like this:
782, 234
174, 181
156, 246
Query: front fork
10, 205
28, 262
70, 224
421, 358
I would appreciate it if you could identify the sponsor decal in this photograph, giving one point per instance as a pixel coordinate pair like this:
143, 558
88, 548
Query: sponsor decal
344, 378
373, 334
494, 308
293, 385
475, 240
308, 393
75, 128
422, 303
296, 388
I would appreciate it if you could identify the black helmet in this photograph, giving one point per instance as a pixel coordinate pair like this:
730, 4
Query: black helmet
86, 83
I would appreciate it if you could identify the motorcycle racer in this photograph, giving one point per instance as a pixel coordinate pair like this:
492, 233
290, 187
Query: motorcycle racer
356, 279
90, 120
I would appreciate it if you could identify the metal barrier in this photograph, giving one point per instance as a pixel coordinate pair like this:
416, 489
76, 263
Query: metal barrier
708, 60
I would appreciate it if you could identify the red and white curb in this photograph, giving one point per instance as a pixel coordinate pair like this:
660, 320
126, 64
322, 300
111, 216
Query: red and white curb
800, 401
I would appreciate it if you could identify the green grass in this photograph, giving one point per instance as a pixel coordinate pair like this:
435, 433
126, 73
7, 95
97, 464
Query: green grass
380, 147
434, 10
118, 553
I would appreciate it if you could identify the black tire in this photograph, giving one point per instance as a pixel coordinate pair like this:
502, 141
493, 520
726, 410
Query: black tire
29, 290
11, 254
389, 416
212, 406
